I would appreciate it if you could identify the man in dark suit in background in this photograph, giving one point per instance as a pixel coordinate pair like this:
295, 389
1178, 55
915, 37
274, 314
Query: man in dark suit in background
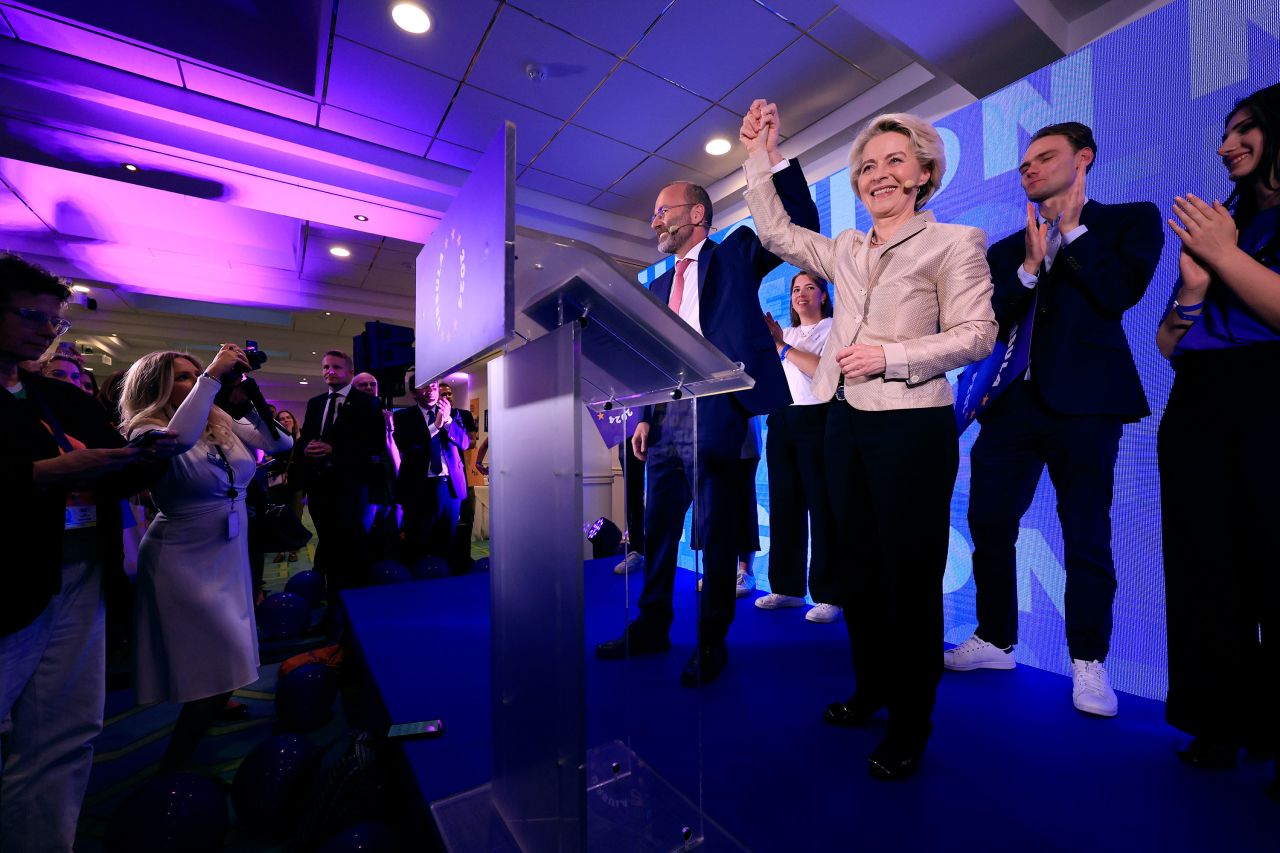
467, 512
432, 482
340, 451
1066, 280
715, 289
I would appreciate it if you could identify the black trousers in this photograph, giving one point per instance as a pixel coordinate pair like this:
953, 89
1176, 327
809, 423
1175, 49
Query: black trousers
1219, 453
889, 477
798, 505
670, 473
1019, 438
431, 524
338, 510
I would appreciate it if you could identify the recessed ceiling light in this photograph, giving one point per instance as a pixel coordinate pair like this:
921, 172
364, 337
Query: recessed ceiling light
130, 167
313, 352
328, 313
340, 251
360, 217
80, 288
718, 146
411, 18
302, 382
88, 368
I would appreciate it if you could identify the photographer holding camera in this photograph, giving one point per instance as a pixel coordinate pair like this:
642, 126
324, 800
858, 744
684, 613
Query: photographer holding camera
195, 591
65, 470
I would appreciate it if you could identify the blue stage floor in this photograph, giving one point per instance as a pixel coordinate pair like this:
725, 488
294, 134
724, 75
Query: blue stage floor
1011, 767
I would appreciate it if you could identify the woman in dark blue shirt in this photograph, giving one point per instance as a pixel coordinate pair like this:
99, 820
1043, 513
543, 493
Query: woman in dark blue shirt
1219, 452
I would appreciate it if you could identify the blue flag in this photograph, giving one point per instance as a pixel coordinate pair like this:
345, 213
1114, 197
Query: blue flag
982, 382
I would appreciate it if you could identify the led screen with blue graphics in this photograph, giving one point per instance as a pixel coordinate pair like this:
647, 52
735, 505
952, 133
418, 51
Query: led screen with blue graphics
1156, 94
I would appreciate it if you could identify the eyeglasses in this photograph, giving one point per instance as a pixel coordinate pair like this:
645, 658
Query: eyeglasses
661, 213
60, 325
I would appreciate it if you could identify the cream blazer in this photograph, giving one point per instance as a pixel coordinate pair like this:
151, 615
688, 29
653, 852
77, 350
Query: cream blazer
925, 297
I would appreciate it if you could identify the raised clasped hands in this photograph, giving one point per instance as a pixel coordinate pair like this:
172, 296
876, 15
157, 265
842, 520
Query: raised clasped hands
443, 412
1208, 234
759, 131
859, 360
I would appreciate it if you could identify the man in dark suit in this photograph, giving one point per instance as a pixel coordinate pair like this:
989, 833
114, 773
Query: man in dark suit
1066, 281
432, 482
715, 289
340, 451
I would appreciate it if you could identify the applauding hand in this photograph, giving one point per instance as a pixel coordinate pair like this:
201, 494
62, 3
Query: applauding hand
1208, 233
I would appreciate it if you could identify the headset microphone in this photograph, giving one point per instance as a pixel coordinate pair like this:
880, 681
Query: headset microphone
908, 185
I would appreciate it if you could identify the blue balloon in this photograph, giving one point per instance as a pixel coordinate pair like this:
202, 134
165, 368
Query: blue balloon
269, 783
304, 697
430, 566
283, 615
309, 585
386, 572
369, 837
179, 812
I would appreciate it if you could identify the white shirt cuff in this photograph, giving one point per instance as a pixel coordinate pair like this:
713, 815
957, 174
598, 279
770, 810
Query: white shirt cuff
895, 361
1074, 233
1027, 279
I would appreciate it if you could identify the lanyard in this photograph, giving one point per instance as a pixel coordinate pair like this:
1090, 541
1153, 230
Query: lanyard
219, 458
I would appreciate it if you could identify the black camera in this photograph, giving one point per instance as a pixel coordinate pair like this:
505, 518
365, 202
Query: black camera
256, 357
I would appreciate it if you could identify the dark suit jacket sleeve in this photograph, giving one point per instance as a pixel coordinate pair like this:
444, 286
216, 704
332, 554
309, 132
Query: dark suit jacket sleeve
793, 192
1009, 296
1113, 264
456, 433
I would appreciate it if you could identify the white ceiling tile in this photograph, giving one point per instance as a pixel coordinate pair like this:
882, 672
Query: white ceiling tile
638, 108
443, 151
456, 29
371, 130
645, 181
624, 206
689, 146
475, 117
802, 13
745, 37
587, 157
574, 68
373, 84
240, 91
850, 38
557, 186
612, 26
786, 80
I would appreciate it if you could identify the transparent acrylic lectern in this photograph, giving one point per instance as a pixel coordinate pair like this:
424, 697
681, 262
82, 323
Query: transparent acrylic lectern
595, 337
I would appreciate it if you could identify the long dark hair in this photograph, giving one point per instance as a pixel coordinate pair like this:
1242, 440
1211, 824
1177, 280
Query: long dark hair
825, 308
1263, 107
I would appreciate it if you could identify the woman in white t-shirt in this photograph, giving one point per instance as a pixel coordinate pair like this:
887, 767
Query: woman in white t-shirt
798, 505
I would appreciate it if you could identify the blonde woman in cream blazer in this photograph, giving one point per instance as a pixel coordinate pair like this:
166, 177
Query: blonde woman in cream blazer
913, 301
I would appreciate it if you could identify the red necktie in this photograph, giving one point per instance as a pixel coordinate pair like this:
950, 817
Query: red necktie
677, 286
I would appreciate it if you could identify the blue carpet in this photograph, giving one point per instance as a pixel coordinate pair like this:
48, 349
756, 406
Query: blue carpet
1011, 767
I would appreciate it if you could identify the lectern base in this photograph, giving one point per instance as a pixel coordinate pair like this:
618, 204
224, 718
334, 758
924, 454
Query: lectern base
629, 808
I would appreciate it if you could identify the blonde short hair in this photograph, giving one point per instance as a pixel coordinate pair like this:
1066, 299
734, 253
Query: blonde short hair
925, 142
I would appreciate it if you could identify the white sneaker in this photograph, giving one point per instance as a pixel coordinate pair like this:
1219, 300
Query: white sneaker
1090, 691
633, 562
746, 583
823, 613
977, 653
775, 600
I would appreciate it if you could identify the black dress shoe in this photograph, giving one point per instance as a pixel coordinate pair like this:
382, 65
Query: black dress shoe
636, 641
891, 762
1209, 754
854, 712
704, 665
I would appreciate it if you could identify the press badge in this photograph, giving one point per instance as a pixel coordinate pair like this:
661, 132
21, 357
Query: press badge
233, 525
81, 515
